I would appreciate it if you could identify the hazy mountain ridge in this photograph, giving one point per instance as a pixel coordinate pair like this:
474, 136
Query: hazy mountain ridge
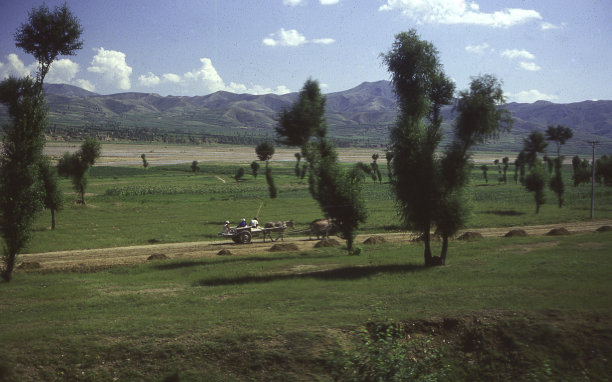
365, 111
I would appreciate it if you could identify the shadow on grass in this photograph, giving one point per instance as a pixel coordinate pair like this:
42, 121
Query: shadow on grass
504, 212
337, 274
188, 264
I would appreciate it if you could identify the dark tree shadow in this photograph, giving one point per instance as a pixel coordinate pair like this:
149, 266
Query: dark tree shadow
337, 274
504, 212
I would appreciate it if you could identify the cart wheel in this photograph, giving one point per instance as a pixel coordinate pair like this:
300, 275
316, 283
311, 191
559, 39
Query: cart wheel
245, 237
236, 239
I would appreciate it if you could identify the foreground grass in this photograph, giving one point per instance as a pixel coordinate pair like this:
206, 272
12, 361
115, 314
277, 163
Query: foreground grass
521, 309
133, 206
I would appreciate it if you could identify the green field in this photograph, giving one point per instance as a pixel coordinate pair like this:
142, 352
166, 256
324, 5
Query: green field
534, 308
166, 204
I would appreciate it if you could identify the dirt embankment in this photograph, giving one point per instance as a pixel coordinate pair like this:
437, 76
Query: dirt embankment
92, 259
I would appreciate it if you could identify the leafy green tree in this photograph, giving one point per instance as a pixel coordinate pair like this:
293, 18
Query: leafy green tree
556, 181
264, 152
603, 170
194, 166
506, 163
337, 192
46, 35
484, 169
298, 157
21, 193
533, 145
52, 195
536, 182
559, 135
145, 164
75, 166
428, 188
239, 174
254, 168
519, 167
582, 170
375, 170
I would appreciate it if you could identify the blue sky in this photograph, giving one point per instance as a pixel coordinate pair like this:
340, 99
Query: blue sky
555, 50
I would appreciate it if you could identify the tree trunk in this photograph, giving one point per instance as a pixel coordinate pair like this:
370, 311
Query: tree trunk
52, 218
444, 250
9, 265
427, 241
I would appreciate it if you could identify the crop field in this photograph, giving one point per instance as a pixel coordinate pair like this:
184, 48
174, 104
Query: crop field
523, 308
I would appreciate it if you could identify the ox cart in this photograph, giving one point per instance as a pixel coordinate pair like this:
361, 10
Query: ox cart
244, 235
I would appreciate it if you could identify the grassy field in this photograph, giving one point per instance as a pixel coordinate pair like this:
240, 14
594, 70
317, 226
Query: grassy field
534, 308
166, 204
504, 309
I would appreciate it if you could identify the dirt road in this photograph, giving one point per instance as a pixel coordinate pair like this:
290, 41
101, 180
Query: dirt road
107, 257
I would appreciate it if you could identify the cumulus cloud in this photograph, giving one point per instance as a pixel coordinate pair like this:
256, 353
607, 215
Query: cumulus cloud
529, 96
205, 80
284, 37
517, 53
292, 37
530, 66
112, 66
324, 41
15, 67
292, 3
548, 26
62, 71
84, 84
478, 49
459, 12
329, 2
149, 80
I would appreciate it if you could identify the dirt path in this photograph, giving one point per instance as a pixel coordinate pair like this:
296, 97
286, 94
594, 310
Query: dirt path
107, 257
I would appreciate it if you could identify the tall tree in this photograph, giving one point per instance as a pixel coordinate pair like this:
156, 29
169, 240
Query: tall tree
533, 145
264, 152
298, 158
75, 166
254, 169
536, 182
53, 200
337, 192
582, 170
46, 35
559, 135
428, 189
145, 164
484, 169
506, 162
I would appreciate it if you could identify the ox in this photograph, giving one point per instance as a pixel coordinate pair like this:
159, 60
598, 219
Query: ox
321, 227
278, 227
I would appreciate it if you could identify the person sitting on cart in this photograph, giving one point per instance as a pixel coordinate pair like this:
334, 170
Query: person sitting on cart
242, 223
226, 228
254, 223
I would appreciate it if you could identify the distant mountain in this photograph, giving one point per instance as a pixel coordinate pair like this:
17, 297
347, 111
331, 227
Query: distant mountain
358, 116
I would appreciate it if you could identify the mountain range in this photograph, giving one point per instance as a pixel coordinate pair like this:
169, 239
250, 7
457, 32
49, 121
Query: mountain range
358, 116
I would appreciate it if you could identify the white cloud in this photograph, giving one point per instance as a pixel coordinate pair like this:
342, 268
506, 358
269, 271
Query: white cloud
548, 26
292, 3
15, 67
62, 71
207, 76
530, 66
529, 96
284, 37
516, 53
477, 49
459, 12
205, 80
171, 77
324, 41
329, 2
84, 84
113, 68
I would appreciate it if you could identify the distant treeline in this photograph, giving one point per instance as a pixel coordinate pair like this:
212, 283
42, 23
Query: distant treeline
139, 134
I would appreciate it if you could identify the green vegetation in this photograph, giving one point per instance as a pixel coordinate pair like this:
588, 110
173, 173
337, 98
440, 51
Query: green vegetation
535, 308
